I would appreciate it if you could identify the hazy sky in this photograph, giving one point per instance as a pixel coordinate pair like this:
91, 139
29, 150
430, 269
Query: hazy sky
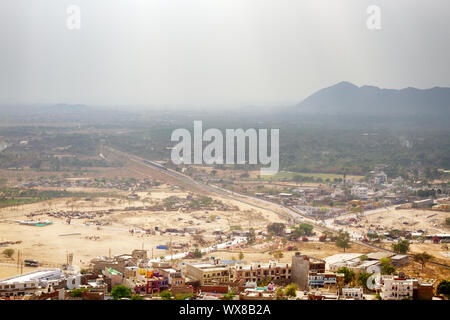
216, 52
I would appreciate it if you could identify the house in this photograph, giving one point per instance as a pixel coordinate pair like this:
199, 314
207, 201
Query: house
30, 282
255, 272
328, 279
400, 260
210, 273
352, 293
257, 294
396, 288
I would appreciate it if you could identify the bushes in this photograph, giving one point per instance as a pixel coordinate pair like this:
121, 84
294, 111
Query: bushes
120, 291
443, 287
8, 252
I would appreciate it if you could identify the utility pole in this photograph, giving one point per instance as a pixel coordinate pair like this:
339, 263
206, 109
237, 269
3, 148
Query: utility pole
18, 260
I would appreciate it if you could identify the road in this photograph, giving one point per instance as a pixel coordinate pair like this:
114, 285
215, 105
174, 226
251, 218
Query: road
263, 204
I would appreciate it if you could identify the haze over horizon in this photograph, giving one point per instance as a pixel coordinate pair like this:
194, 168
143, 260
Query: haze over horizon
216, 53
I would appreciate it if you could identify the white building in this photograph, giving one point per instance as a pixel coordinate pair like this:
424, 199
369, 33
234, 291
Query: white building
30, 282
394, 288
353, 293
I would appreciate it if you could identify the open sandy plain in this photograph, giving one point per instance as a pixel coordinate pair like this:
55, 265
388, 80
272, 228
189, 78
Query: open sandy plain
50, 244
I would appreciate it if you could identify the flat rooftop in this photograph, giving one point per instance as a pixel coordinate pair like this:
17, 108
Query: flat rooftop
32, 276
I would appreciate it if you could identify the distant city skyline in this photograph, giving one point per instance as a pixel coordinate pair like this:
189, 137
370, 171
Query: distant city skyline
215, 53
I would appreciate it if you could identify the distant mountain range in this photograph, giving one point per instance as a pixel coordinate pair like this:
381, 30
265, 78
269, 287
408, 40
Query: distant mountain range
346, 98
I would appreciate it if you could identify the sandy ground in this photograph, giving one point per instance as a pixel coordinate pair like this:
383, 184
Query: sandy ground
12, 270
51, 244
312, 248
408, 220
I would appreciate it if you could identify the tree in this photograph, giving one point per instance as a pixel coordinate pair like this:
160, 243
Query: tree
198, 253
386, 267
120, 291
77, 293
265, 281
251, 236
241, 255
280, 294
229, 295
362, 279
166, 295
8, 252
422, 258
343, 240
349, 275
402, 246
290, 290
278, 254
276, 228
303, 229
443, 287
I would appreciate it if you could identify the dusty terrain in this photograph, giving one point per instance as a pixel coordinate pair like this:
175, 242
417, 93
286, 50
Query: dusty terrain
50, 244
406, 219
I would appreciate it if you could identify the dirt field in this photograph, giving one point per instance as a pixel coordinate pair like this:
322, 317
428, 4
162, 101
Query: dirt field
50, 244
313, 248
408, 220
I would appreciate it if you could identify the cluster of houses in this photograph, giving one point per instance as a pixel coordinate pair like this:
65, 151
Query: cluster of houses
213, 279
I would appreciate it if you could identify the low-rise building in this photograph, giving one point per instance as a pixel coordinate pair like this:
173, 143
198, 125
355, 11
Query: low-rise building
353, 293
257, 272
210, 273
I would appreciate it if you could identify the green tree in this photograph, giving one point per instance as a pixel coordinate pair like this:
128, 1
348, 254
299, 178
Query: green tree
229, 295
251, 238
290, 290
198, 253
280, 294
443, 287
402, 246
265, 281
77, 293
362, 279
120, 291
386, 267
166, 295
422, 258
349, 275
276, 228
303, 229
343, 240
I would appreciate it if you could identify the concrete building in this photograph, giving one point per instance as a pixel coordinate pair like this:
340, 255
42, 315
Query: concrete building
255, 272
400, 260
300, 270
30, 282
396, 288
353, 293
325, 280
210, 273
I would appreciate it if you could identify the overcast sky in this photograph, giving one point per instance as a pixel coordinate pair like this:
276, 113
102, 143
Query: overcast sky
216, 52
